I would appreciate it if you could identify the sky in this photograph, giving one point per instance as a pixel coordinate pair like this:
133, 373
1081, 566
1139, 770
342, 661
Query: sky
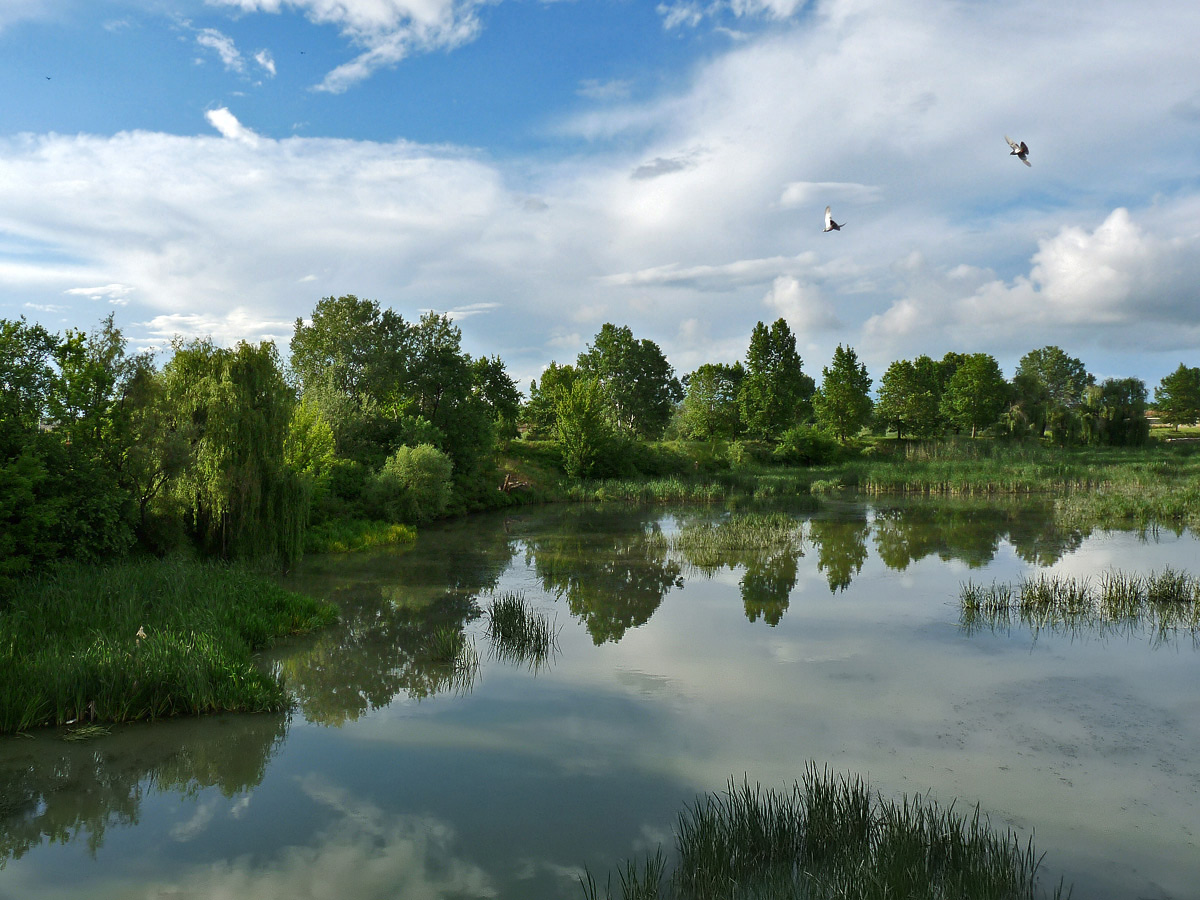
536, 169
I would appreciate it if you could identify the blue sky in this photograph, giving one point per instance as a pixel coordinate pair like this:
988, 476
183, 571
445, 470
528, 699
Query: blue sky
537, 169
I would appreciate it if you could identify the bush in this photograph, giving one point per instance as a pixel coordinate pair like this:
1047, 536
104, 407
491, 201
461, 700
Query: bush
413, 486
803, 445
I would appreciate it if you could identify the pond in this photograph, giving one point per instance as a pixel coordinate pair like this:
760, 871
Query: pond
676, 667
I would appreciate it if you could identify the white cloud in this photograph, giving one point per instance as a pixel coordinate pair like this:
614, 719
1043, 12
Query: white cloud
224, 47
227, 124
614, 89
823, 193
113, 293
691, 14
266, 61
801, 305
388, 30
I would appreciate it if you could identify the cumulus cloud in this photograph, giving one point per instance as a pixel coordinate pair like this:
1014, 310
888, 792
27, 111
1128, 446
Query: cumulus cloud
387, 30
801, 305
691, 14
227, 124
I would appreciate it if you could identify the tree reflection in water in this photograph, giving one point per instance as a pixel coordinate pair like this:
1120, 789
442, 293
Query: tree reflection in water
54, 791
841, 546
392, 604
611, 564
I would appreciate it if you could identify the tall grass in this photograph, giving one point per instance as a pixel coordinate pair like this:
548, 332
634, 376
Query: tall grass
519, 633
830, 836
1162, 602
455, 661
711, 545
349, 535
143, 639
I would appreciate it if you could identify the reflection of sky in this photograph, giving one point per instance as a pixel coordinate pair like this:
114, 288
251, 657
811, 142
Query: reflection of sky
1094, 743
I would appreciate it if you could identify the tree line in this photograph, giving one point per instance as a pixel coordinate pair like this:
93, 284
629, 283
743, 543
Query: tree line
230, 452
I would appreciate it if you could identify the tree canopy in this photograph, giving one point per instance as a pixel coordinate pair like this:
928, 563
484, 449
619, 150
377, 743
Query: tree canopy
843, 402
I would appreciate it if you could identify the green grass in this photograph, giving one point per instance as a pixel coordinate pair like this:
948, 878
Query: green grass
709, 545
454, 660
348, 535
519, 633
1162, 602
830, 837
141, 640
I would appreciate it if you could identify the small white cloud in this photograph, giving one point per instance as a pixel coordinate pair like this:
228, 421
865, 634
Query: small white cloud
45, 307
114, 293
239, 324
594, 89
266, 61
675, 15
227, 124
471, 309
223, 46
306, 279
822, 193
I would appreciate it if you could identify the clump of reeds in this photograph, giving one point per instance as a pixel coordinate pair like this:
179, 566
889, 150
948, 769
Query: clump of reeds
519, 633
1162, 601
143, 639
350, 535
830, 836
710, 544
454, 657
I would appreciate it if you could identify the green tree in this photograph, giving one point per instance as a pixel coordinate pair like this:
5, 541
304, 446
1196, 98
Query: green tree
583, 429
538, 413
843, 402
1052, 384
639, 385
710, 401
976, 394
1177, 397
241, 497
414, 485
775, 393
1114, 413
353, 346
910, 397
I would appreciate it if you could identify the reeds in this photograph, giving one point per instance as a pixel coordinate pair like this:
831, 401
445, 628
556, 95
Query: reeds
519, 633
830, 836
143, 639
350, 535
711, 544
455, 661
1162, 602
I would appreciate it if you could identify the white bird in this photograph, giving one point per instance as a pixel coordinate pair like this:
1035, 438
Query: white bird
1020, 151
831, 225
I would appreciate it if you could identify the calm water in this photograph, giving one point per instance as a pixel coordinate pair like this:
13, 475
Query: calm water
396, 778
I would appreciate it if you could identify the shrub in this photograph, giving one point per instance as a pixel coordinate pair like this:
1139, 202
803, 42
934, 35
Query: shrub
413, 485
803, 445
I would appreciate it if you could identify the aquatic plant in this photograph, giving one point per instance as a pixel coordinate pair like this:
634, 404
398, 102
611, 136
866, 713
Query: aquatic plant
143, 639
1163, 602
519, 633
348, 535
455, 660
830, 836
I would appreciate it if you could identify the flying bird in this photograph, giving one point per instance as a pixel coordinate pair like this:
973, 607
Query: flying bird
831, 225
1020, 151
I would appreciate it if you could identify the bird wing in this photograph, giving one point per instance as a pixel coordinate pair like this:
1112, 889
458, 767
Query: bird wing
1012, 143
828, 216
1027, 162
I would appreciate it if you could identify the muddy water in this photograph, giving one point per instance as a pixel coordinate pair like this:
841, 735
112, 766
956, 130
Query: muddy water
400, 775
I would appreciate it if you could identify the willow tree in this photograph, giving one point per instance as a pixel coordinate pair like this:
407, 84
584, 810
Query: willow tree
238, 493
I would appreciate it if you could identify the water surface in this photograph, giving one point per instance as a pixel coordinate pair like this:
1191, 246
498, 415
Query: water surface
397, 775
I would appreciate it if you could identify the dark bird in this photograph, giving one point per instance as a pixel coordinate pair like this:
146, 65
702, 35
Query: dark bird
1020, 151
831, 225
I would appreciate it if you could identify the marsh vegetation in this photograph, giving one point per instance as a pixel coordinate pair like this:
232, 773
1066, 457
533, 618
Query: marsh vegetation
829, 836
1160, 602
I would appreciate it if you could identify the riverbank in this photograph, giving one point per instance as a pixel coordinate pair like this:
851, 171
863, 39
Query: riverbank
143, 639
1157, 484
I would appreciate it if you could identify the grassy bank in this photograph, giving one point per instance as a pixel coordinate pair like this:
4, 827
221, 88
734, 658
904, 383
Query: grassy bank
1093, 486
828, 837
349, 535
143, 639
